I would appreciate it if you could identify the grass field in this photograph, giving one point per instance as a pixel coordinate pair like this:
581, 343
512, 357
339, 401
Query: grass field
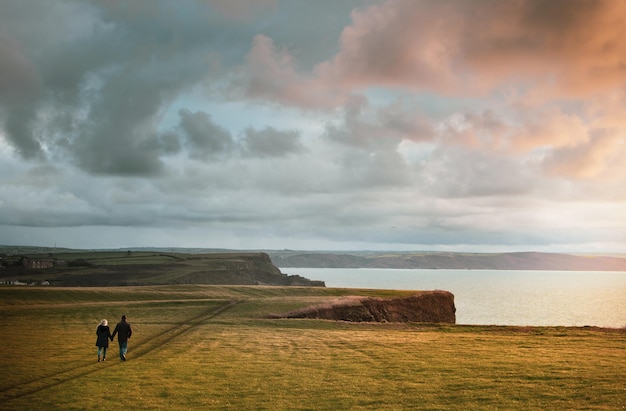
135, 268
211, 347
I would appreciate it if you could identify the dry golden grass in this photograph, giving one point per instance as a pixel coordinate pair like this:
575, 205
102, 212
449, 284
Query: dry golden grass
187, 354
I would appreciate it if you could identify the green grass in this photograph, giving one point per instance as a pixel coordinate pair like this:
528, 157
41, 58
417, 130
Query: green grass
211, 347
116, 268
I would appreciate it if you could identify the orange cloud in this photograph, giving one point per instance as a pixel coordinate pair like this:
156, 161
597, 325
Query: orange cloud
573, 47
549, 128
393, 44
601, 155
271, 73
543, 49
562, 60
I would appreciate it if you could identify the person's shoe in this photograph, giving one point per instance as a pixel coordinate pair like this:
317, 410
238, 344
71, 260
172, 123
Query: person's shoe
98, 359
124, 357
104, 359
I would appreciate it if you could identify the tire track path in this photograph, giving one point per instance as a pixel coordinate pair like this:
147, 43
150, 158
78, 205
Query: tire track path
145, 347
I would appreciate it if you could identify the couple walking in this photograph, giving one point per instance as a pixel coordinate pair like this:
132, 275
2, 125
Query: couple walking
123, 331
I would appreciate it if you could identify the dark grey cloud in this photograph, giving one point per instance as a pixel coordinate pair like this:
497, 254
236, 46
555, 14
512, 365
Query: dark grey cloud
205, 138
109, 70
107, 86
19, 86
270, 142
17, 77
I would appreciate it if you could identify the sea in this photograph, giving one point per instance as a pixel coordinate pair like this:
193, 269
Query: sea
501, 297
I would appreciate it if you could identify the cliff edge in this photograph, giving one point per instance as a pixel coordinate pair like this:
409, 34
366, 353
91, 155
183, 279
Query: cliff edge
129, 268
426, 306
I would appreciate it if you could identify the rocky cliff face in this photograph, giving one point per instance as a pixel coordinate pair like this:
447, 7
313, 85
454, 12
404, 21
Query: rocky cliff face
427, 306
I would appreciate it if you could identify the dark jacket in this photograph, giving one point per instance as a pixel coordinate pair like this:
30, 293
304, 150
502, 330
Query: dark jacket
104, 334
123, 331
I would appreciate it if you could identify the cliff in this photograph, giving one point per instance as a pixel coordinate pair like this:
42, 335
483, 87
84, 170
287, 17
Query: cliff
426, 306
109, 268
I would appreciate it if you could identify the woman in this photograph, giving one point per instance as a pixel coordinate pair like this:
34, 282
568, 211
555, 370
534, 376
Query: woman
102, 342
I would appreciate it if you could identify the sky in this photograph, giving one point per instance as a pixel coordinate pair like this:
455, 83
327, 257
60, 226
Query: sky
477, 126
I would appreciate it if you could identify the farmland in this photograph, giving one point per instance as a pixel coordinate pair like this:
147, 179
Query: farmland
117, 268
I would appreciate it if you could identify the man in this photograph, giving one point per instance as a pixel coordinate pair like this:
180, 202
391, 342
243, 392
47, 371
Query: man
123, 331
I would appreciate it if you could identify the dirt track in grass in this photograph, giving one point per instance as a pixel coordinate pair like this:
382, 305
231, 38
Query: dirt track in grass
147, 346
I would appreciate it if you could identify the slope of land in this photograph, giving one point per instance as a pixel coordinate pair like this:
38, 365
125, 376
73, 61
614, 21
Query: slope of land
423, 306
213, 348
329, 259
115, 268
445, 260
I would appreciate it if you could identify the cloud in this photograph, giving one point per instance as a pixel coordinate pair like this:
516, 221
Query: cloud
206, 139
561, 49
240, 123
406, 120
457, 172
392, 44
603, 152
270, 142
549, 128
19, 86
242, 9
270, 73
107, 88
17, 75
572, 47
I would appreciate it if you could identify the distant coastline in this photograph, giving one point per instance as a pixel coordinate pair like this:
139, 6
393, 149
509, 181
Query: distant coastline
392, 259
450, 261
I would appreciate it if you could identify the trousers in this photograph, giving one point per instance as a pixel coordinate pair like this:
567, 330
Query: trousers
123, 349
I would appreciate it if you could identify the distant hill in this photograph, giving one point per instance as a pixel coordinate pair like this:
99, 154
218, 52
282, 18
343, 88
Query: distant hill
171, 265
115, 268
445, 260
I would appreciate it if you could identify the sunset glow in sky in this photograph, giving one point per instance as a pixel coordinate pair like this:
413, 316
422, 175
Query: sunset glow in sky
483, 125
